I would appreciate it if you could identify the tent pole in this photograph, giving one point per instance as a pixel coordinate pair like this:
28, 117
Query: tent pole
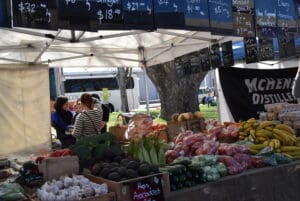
14, 60
101, 37
45, 48
146, 89
66, 58
44, 35
185, 35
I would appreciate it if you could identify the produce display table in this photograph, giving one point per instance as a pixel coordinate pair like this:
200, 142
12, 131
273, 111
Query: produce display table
280, 183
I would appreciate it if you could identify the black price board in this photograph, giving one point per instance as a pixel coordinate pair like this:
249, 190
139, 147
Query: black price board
215, 58
286, 16
179, 68
227, 54
266, 18
40, 14
5, 13
251, 49
220, 12
286, 47
197, 15
195, 62
204, 55
243, 18
187, 64
169, 14
90, 15
138, 14
266, 50
149, 189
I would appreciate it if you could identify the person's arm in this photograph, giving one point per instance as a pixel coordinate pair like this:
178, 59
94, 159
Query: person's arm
78, 127
58, 121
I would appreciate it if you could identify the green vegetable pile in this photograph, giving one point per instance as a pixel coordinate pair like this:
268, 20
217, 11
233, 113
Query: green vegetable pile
90, 149
185, 172
149, 149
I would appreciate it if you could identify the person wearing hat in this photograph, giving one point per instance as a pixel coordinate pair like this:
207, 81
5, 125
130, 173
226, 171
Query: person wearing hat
61, 120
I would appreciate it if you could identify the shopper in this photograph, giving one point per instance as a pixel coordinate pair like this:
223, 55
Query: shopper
105, 111
209, 100
89, 121
77, 109
61, 120
296, 86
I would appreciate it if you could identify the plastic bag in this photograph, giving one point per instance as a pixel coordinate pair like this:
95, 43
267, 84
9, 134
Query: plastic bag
233, 167
11, 191
244, 160
231, 149
267, 151
258, 161
208, 147
282, 159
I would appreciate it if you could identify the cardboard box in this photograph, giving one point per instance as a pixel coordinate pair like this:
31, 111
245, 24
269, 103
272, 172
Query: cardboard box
122, 188
195, 125
174, 128
118, 132
55, 167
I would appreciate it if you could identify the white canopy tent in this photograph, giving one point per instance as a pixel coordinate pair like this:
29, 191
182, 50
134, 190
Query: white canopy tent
65, 48
23, 51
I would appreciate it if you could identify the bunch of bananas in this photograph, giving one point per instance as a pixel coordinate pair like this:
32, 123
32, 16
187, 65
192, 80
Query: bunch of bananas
279, 136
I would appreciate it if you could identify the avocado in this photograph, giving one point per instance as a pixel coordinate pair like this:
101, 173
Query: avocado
131, 174
96, 169
132, 165
114, 176
118, 159
114, 169
122, 171
104, 173
109, 154
124, 162
144, 169
115, 164
154, 168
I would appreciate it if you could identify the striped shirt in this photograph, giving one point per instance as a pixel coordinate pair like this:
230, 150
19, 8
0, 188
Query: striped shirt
88, 122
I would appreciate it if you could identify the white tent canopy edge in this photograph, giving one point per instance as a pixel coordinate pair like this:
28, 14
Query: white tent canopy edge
136, 48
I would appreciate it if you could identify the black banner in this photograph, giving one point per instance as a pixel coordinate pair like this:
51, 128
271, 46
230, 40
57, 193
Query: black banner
254, 88
5, 14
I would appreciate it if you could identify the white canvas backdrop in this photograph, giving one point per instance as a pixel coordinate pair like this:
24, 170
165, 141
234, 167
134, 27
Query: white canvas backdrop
25, 109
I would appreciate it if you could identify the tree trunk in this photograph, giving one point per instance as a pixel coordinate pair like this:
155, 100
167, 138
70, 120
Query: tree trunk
121, 77
177, 95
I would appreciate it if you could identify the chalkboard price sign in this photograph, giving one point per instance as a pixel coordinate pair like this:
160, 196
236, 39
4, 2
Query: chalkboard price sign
243, 18
220, 12
149, 189
196, 15
286, 14
251, 49
204, 55
91, 15
169, 13
286, 47
266, 17
227, 54
266, 50
138, 14
35, 13
5, 13
215, 58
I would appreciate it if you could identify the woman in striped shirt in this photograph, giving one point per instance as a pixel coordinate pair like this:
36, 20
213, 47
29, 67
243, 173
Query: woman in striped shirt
88, 122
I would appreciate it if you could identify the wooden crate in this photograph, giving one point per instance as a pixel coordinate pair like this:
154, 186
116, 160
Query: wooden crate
111, 196
122, 188
55, 167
